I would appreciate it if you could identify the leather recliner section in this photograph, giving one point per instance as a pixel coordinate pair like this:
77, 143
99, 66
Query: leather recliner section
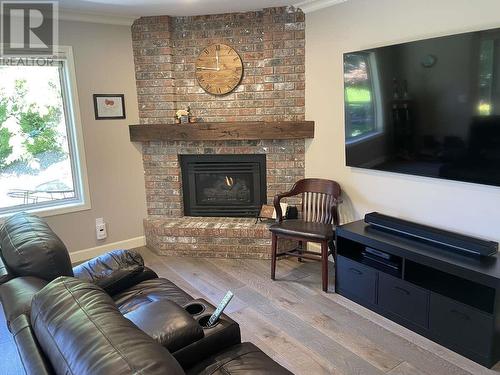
149, 291
114, 271
72, 326
31, 248
82, 332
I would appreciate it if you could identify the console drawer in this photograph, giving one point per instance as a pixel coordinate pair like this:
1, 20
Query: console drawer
403, 299
462, 325
356, 279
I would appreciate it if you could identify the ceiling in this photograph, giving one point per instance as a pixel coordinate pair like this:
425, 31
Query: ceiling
136, 8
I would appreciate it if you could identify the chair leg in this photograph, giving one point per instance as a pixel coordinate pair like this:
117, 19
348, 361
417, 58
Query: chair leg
324, 265
301, 244
274, 249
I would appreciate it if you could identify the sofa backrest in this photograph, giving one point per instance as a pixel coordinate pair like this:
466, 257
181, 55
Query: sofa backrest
81, 331
31, 248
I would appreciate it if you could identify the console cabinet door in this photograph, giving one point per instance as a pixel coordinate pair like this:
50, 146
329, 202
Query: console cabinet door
356, 279
462, 325
403, 299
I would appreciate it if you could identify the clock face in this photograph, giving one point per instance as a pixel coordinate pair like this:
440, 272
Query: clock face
219, 69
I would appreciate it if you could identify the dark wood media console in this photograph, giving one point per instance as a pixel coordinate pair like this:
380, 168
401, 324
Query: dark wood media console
447, 297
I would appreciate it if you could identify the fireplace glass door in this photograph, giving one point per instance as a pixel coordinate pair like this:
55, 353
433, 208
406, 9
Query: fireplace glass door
223, 185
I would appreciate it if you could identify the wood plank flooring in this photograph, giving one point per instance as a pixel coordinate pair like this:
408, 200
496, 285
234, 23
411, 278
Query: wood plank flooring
304, 329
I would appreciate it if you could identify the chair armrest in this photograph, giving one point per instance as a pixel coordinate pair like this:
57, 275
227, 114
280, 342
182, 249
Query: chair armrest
114, 271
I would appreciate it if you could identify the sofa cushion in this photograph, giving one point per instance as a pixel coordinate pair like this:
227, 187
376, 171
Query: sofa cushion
168, 323
81, 331
241, 359
16, 296
31, 248
149, 291
113, 271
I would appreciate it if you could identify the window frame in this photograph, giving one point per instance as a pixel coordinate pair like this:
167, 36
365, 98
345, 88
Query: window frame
376, 93
76, 147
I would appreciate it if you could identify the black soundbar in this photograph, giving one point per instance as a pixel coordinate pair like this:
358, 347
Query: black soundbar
443, 238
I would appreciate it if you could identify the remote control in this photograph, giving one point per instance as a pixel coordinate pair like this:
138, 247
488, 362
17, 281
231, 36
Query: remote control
220, 308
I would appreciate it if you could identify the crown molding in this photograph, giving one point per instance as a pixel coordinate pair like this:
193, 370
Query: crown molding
108, 19
309, 6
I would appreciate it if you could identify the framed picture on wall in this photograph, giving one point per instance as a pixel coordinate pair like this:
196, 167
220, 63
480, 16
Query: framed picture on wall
109, 106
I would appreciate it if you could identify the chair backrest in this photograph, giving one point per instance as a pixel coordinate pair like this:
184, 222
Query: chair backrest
319, 199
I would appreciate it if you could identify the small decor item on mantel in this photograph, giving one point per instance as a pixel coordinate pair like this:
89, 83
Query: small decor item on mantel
109, 106
183, 116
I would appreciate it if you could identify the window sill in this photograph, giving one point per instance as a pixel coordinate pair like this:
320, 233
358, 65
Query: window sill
363, 138
50, 211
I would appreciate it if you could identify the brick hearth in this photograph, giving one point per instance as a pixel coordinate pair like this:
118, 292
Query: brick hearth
208, 237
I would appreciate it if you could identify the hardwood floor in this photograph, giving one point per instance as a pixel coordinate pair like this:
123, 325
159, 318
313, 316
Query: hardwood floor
304, 329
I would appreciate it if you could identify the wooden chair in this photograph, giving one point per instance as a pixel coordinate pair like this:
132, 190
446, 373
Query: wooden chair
320, 199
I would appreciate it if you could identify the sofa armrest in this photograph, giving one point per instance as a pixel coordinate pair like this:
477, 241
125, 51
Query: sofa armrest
168, 323
30, 353
16, 296
5, 274
114, 271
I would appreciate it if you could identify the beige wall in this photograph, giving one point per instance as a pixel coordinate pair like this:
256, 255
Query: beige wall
104, 64
359, 24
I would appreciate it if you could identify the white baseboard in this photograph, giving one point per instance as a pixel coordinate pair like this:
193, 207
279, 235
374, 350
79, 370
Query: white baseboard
85, 254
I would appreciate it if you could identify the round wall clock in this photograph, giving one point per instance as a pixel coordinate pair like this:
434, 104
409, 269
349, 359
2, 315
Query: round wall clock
219, 69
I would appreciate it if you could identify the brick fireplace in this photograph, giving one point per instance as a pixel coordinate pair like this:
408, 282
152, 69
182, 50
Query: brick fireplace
271, 45
169, 232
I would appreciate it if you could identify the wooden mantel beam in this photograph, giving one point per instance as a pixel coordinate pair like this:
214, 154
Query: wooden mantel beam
215, 131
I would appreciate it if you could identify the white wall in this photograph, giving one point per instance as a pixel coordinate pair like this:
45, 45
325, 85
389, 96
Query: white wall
104, 64
360, 24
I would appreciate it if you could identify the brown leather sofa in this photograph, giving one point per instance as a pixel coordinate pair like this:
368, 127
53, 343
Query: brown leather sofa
110, 315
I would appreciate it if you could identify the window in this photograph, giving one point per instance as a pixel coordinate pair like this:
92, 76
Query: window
360, 92
42, 167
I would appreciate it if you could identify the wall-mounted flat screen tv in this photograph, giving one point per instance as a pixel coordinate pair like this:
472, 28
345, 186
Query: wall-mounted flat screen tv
428, 108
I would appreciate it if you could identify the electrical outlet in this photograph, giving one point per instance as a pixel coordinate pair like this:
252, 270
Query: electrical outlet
100, 229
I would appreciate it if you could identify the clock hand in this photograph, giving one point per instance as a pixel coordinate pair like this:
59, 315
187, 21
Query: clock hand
217, 58
205, 68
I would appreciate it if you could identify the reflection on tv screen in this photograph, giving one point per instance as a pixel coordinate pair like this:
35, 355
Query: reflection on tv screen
428, 108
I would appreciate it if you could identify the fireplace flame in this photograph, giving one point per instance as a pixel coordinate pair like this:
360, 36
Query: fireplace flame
229, 182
